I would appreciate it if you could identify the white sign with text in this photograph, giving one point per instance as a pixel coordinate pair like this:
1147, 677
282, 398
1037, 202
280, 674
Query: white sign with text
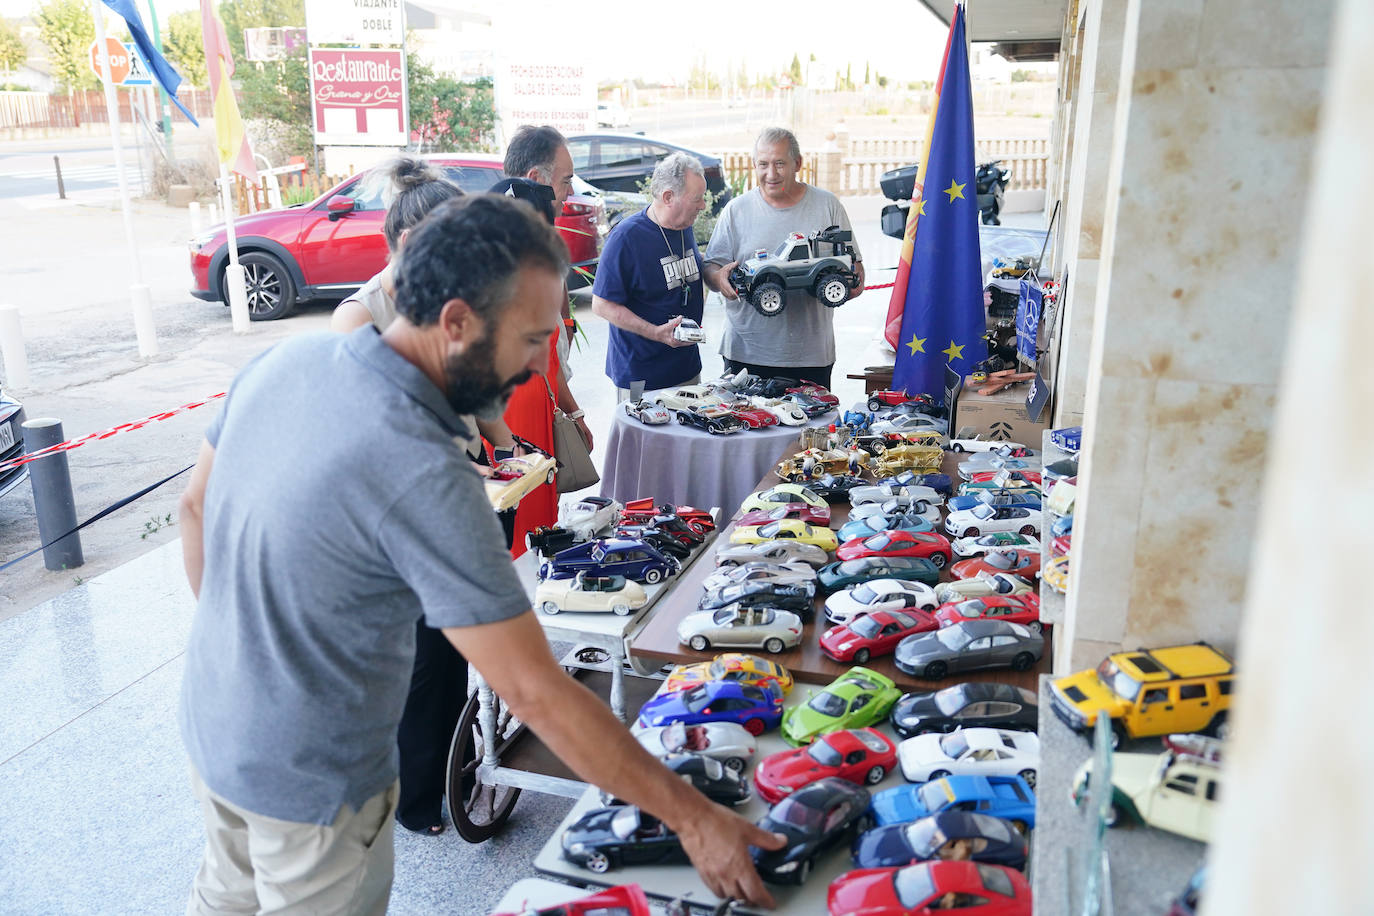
544, 90
355, 22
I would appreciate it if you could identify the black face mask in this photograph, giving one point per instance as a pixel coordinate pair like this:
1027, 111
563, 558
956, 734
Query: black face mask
539, 196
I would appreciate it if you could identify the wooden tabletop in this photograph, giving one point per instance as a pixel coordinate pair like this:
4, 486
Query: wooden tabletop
657, 640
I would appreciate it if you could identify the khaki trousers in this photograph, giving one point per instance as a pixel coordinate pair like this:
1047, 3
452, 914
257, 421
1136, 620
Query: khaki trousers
256, 864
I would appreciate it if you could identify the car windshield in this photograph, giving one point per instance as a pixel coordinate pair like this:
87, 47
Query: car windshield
712, 769
716, 670
770, 530
1001, 560
877, 542
865, 626
954, 744
989, 540
854, 567
952, 638
934, 795
823, 754
863, 594
924, 838
696, 699
827, 704
996, 880
780, 513
1120, 683
625, 822
782, 249
974, 608
791, 812
994, 828
950, 701
982, 510
913, 885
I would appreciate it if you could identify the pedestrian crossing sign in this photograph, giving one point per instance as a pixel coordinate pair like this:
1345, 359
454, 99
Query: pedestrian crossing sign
139, 74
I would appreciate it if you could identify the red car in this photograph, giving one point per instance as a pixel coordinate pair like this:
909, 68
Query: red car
752, 417
640, 511
1023, 563
622, 900
966, 887
1022, 609
928, 544
812, 515
859, 755
877, 400
1060, 545
816, 391
329, 247
1028, 478
873, 634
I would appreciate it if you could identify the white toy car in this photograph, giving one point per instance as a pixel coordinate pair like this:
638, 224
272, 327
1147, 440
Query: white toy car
879, 595
908, 423
979, 444
981, 586
970, 752
788, 414
794, 573
689, 396
727, 742
920, 507
590, 593
882, 493
589, 516
1001, 540
740, 628
514, 478
986, 519
689, 331
648, 413
782, 551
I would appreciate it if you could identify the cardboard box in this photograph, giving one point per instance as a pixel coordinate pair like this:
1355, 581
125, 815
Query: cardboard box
1001, 416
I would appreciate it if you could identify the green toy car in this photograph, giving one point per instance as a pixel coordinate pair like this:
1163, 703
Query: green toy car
834, 576
856, 699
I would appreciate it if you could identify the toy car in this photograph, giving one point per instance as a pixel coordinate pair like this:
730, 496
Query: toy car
992, 463
1001, 479
787, 413
1016, 499
589, 516
794, 598
822, 264
811, 406
719, 783
1177, 790
717, 420
813, 463
835, 487
804, 512
639, 511
1068, 438
1007, 797
857, 698
985, 519
814, 818
923, 511
782, 494
931, 887
870, 525
590, 593
612, 557
882, 595
1022, 609
678, 528
752, 417
1061, 469
947, 835
738, 627
689, 396
926, 544
876, 633
940, 483
783, 551
861, 756
756, 708
1062, 496
621, 900
818, 392
969, 646
910, 457
780, 573
548, 540
647, 413
731, 666
835, 576
902, 495
1061, 526
1024, 563
664, 542
979, 444
982, 586
727, 742
857, 420
689, 331
888, 397
1056, 574
906, 425
514, 478
972, 703
998, 540
971, 752
786, 529
607, 838
1061, 545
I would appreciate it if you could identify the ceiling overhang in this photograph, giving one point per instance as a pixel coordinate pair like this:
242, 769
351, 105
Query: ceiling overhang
1024, 30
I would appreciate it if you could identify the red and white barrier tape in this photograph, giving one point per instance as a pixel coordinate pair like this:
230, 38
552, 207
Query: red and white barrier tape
105, 434
880, 286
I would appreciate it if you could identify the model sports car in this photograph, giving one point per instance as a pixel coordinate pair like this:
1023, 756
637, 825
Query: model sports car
876, 633
824, 814
1061, 526
982, 587
621, 900
780, 495
1003, 480
688, 396
986, 519
788, 414
972, 703
612, 557
1006, 797
855, 699
642, 510
728, 742
940, 483
607, 838
781, 551
816, 391
795, 573
1061, 469
752, 417
689, 331
1022, 609
786, 529
589, 516
721, 784
971, 752
812, 406
861, 756
995, 465
888, 397
872, 518
736, 627
998, 540
731, 666
947, 835
835, 576
756, 708
1017, 498
835, 487
926, 544
647, 413
903, 496
931, 887
881, 595
794, 598
590, 593
713, 419
1023, 563
804, 512
969, 646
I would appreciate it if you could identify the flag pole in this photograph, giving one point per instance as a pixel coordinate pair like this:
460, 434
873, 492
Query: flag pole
144, 328
235, 281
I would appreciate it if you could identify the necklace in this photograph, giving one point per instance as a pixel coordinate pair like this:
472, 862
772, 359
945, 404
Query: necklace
681, 239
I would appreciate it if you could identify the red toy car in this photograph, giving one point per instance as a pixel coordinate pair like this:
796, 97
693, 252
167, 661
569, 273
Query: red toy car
812, 515
928, 544
752, 417
622, 900
1015, 478
877, 400
931, 887
641, 511
873, 634
859, 755
1022, 609
816, 391
1023, 563
1060, 545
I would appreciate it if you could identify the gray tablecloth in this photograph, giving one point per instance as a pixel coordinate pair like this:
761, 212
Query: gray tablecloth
682, 465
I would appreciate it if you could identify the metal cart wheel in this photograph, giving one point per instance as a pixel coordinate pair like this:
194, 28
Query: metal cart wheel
479, 811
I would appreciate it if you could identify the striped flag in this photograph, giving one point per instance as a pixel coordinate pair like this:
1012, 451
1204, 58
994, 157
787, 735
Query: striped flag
230, 137
935, 317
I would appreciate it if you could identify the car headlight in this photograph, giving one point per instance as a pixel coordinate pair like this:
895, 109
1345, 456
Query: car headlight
577, 848
200, 241
785, 790
786, 869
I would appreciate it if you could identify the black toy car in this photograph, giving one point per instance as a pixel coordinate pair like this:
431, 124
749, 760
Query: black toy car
974, 703
794, 598
666, 543
835, 487
715, 420
814, 818
822, 264
673, 524
768, 387
549, 540
986, 839
622, 835
711, 778
811, 406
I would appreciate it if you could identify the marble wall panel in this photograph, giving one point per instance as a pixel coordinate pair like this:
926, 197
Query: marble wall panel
1276, 34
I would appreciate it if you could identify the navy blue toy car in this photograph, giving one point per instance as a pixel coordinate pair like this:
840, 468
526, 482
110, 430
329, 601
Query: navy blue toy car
814, 818
1007, 797
986, 839
612, 557
1069, 438
716, 701
940, 483
609, 837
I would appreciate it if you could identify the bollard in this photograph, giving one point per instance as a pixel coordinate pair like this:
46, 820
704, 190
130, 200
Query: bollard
236, 291
194, 207
61, 189
12, 347
52, 495
214, 214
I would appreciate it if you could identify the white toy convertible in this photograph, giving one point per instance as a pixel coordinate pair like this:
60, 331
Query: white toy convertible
590, 593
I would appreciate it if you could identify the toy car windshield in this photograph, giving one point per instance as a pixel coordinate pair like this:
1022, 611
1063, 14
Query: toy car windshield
913, 885
791, 812
675, 737
625, 823
823, 754
954, 744
827, 704
925, 837
871, 741
952, 638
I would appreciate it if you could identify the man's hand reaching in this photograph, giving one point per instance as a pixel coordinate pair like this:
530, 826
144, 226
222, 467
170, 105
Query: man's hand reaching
718, 844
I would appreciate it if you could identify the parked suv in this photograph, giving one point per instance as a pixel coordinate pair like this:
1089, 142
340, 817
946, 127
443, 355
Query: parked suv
622, 162
1150, 692
11, 443
329, 247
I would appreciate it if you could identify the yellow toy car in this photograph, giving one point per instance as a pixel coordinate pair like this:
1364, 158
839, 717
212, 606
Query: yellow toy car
900, 458
1056, 575
732, 666
782, 494
513, 478
789, 529
814, 463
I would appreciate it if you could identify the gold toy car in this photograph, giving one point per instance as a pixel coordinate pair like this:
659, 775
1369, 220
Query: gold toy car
900, 458
814, 463
791, 529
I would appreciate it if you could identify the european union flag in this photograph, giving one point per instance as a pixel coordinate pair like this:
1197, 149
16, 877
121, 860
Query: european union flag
935, 318
161, 70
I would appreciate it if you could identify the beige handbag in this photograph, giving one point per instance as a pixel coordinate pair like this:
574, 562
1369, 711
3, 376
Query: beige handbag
575, 468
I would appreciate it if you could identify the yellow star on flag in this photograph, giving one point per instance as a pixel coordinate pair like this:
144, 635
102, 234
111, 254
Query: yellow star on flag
920, 206
917, 344
954, 351
955, 189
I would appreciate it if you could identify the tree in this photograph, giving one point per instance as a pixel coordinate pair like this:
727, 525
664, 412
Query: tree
447, 114
12, 50
67, 29
794, 71
866, 78
182, 45
255, 14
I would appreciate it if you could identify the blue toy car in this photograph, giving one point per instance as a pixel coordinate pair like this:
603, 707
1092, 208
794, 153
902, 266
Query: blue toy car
1069, 438
940, 483
897, 521
857, 420
1062, 525
991, 839
612, 557
1008, 797
756, 708
1019, 499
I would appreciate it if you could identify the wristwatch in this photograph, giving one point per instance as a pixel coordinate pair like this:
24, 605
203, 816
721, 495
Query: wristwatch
575, 415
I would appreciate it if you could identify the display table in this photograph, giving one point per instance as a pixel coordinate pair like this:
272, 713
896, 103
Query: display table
685, 466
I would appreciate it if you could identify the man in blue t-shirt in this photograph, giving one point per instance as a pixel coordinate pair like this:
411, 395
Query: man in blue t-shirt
649, 280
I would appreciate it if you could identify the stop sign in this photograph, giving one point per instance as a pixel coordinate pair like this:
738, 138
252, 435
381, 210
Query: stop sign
119, 60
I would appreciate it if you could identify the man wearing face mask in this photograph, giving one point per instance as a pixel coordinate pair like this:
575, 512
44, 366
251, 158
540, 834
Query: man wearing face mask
649, 279
308, 590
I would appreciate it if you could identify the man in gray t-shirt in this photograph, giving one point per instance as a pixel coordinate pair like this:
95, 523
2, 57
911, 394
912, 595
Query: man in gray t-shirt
800, 342
329, 509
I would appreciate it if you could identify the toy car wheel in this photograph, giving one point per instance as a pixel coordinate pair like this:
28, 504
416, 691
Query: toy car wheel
700, 643
971, 533
773, 645
271, 292
652, 576
549, 607
621, 610
1021, 827
875, 776
682, 418
1114, 816
956, 448
1022, 662
599, 863
1035, 626
831, 290
755, 727
804, 871
551, 476
1220, 726
936, 670
939, 560
1029, 776
937, 774
1028, 529
862, 656
768, 299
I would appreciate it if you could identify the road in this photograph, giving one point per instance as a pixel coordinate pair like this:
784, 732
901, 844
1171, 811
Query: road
27, 170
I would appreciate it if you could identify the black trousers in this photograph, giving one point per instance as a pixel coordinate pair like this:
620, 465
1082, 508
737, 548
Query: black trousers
818, 374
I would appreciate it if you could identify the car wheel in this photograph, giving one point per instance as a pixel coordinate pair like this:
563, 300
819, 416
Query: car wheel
1119, 736
599, 863
551, 476
936, 670
727, 564
956, 448
734, 763
831, 290
875, 776
1029, 776
1114, 816
271, 292
875, 404
804, 871
862, 656
768, 299
754, 727
1028, 529
652, 576
773, 645
1221, 726
549, 607
970, 533
621, 610
700, 643
937, 774
939, 560
681, 418
1035, 626
1022, 662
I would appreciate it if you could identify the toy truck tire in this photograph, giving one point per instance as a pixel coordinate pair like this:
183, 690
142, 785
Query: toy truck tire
831, 289
768, 299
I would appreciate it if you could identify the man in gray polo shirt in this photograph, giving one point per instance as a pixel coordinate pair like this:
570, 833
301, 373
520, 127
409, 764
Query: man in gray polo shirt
328, 510
800, 342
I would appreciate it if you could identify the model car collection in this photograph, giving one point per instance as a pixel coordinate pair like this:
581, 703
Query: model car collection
861, 756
